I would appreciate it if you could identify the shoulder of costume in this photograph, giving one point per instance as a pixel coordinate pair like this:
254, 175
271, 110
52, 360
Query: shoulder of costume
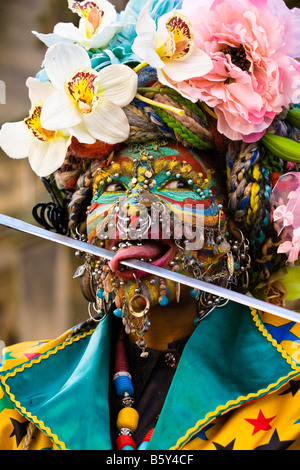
20, 353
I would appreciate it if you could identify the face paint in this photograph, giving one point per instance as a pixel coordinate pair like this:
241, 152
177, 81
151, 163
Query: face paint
184, 191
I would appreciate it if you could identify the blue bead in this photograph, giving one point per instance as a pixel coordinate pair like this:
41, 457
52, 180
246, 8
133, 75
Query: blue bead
123, 384
193, 293
118, 312
100, 293
144, 445
163, 300
128, 448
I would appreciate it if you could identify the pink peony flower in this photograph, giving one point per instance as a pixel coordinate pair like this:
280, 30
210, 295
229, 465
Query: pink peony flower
255, 74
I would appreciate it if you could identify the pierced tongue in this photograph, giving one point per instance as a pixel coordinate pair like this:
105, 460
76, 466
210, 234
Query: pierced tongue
147, 251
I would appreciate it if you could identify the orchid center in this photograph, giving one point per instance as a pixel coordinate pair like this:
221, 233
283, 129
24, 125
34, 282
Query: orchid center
179, 43
33, 123
82, 89
91, 13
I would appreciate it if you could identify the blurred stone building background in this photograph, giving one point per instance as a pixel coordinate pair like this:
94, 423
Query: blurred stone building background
38, 296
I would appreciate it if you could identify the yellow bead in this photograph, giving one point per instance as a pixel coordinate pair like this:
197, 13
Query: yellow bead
128, 418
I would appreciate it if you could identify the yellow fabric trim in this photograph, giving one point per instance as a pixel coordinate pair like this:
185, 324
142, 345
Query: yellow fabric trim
28, 365
231, 404
18, 351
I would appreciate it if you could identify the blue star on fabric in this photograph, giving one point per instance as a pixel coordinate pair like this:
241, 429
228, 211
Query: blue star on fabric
282, 332
201, 434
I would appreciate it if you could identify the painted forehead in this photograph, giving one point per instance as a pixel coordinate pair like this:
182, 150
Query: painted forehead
161, 162
169, 153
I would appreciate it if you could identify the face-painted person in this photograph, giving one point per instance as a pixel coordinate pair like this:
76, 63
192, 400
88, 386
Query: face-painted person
170, 157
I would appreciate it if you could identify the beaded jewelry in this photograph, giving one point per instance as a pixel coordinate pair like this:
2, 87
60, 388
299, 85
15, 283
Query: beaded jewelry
128, 417
163, 298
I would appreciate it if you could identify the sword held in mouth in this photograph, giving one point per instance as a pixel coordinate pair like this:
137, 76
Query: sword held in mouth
221, 292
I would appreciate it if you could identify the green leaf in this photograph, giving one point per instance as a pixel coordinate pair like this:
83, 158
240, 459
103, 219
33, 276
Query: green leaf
282, 147
293, 117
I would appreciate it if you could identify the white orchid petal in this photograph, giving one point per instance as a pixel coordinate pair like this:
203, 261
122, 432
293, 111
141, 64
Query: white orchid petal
145, 24
47, 157
82, 134
59, 112
39, 91
68, 31
162, 30
165, 81
48, 39
144, 46
103, 37
15, 139
108, 123
110, 13
63, 60
118, 83
197, 64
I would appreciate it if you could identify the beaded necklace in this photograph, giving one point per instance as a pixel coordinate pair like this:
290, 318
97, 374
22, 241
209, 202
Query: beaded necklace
128, 417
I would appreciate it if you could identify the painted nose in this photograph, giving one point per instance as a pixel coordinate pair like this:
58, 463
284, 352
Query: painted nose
134, 220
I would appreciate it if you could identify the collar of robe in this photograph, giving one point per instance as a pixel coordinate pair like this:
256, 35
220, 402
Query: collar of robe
62, 385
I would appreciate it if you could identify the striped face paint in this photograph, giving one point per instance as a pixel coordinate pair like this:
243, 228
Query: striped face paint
181, 183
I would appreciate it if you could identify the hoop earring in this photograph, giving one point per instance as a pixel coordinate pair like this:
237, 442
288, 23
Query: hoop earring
101, 313
135, 320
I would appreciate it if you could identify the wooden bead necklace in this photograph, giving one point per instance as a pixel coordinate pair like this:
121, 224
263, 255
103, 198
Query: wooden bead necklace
128, 417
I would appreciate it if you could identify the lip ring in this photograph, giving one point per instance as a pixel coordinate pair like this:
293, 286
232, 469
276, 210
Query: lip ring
143, 312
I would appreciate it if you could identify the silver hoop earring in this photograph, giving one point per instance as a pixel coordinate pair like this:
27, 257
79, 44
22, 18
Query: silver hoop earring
100, 309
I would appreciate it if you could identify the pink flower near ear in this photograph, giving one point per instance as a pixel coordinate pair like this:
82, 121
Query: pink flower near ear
253, 45
285, 199
281, 213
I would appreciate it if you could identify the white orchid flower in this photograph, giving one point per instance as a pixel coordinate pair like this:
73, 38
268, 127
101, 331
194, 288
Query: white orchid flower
45, 149
87, 103
170, 47
97, 25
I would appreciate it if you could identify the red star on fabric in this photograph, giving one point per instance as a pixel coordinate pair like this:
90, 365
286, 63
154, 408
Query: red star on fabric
32, 355
261, 423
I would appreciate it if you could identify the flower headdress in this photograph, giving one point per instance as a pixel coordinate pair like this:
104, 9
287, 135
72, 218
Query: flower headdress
219, 74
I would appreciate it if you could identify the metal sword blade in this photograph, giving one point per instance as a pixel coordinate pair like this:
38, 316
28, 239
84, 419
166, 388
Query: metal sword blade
151, 269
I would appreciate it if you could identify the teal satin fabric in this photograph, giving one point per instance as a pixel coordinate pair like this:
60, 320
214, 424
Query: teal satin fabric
68, 391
